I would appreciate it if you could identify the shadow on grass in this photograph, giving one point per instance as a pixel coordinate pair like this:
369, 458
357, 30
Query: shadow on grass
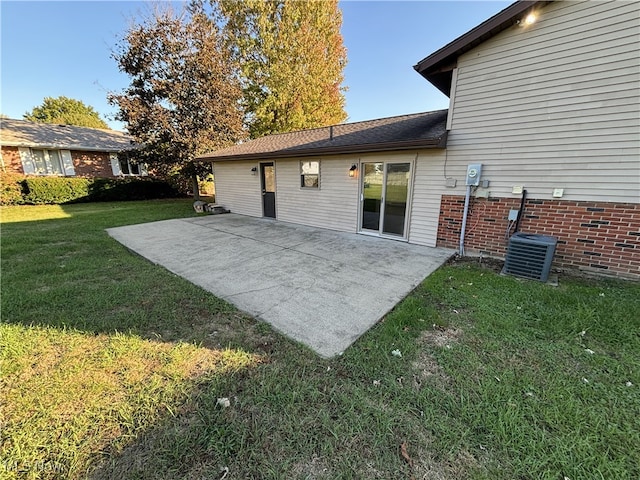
106, 355
197, 440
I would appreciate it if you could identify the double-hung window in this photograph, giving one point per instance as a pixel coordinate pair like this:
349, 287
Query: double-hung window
310, 174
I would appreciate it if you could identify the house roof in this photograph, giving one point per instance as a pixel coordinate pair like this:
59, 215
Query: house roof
22, 133
438, 67
418, 130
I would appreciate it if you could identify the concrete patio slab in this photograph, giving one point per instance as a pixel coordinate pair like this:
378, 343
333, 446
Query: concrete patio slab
320, 287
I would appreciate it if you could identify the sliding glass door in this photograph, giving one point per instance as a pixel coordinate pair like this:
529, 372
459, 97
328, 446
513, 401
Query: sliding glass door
372, 183
384, 198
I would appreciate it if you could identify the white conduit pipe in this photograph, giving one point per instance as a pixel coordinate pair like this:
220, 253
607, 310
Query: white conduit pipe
464, 220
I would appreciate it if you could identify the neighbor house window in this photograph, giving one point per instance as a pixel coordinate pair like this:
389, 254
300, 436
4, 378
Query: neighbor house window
310, 174
41, 161
129, 168
47, 162
121, 164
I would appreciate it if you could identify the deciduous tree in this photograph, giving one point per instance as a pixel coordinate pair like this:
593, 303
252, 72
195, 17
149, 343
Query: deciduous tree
184, 95
292, 58
65, 111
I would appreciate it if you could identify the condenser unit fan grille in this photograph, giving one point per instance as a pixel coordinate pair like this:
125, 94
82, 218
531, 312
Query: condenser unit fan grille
530, 256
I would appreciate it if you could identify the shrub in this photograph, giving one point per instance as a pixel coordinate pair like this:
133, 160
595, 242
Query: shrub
11, 187
17, 189
115, 189
57, 190
47, 190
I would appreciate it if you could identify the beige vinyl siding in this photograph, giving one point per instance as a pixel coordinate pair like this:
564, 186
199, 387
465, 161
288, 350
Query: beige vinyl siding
334, 205
553, 105
237, 188
425, 205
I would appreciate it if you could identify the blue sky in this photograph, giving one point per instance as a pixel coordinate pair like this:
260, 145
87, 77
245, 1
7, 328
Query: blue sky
63, 48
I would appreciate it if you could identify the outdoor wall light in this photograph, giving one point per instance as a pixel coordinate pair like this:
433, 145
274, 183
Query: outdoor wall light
530, 19
254, 171
353, 170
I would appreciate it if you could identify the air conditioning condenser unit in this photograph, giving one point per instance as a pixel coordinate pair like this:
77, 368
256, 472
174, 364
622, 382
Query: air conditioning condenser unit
530, 255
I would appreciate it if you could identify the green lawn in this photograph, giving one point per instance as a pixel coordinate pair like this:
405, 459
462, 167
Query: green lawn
112, 367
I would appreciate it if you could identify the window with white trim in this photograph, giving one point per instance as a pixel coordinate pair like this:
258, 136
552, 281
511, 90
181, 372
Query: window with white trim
47, 162
127, 167
41, 161
310, 174
122, 165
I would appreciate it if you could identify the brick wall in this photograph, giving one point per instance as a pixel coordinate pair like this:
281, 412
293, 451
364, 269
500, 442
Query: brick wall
92, 164
11, 160
597, 237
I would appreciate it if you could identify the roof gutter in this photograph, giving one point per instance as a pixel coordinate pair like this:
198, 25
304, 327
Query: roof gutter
440, 142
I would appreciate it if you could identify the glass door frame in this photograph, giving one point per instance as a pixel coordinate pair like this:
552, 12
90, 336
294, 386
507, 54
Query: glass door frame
380, 231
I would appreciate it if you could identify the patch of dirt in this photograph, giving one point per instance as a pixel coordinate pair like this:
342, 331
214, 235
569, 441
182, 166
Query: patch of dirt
425, 467
225, 328
441, 337
426, 366
428, 370
313, 469
370, 471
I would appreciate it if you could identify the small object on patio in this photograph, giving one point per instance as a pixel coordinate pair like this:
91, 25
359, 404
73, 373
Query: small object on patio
199, 205
396, 353
203, 207
223, 402
215, 209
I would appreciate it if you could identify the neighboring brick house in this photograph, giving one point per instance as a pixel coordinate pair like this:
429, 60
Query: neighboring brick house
544, 105
41, 149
